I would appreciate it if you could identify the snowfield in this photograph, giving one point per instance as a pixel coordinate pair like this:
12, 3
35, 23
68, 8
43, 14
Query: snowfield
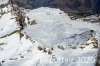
55, 40
3, 1
7, 24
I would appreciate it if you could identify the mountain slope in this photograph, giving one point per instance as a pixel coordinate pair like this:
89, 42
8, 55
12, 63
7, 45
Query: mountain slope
46, 36
69, 6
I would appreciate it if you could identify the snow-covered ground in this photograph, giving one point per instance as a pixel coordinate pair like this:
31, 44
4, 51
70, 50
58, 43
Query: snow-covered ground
7, 24
3, 1
55, 40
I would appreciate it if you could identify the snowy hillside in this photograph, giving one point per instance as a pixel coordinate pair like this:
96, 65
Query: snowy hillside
3, 1
46, 37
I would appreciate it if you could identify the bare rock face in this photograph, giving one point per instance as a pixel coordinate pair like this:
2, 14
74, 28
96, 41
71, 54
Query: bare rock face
0, 64
73, 6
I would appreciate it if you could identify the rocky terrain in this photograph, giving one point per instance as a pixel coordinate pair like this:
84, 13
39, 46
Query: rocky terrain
73, 6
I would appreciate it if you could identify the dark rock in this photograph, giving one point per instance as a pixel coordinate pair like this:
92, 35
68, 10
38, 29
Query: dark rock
13, 58
3, 61
74, 6
22, 56
0, 64
49, 52
40, 48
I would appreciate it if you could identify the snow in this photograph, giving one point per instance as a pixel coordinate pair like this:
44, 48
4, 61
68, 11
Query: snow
3, 2
11, 46
7, 24
54, 28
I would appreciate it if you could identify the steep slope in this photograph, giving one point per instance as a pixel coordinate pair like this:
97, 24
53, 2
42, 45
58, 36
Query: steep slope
73, 6
7, 26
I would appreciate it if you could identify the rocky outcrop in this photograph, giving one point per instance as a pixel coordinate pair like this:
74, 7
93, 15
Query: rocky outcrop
73, 6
